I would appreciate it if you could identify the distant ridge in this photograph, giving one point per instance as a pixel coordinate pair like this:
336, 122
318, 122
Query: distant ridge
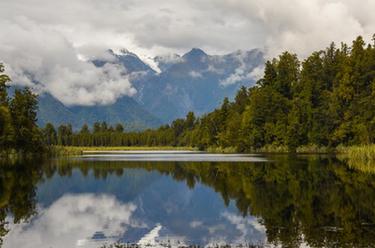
195, 81
126, 111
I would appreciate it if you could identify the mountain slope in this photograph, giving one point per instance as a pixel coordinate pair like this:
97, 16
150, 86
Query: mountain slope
195, 82
52, 110
126, 111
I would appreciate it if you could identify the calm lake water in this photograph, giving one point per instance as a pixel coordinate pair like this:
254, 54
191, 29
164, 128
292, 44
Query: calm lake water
158, 198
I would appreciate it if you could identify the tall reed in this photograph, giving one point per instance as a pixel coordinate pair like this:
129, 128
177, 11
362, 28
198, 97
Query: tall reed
359, 157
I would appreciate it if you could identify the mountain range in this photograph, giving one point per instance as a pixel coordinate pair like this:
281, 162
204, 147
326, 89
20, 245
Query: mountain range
194, 81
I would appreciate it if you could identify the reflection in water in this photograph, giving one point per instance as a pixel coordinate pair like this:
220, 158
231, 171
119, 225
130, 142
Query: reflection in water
168, 156
290, 201
72, 220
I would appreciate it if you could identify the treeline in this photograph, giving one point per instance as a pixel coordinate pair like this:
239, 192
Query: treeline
18, 116
324, 101
102, 134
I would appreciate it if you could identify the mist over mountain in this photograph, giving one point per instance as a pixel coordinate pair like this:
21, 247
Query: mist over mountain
197, 82
167, 89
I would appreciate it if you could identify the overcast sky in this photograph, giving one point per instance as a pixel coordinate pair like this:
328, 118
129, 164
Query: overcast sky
49, 38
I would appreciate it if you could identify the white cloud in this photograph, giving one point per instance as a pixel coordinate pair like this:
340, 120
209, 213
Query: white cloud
47, 37
257, 73
303, 26
241, 73
151, 237
196, 223
238, 75
39, 56
170, 59
195, 74
247, 227
156, 27
72, 219
213, 69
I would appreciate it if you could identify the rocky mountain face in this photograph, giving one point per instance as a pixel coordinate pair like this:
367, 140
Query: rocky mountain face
195, 82
126, 110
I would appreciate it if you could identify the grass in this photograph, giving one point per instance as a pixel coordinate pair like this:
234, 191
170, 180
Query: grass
314, 149
78, 150
359, 157
305, 149
214, 149
273, 149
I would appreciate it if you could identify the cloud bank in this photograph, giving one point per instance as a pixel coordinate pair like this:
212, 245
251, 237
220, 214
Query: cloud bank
42, 58
72, 220
47, 41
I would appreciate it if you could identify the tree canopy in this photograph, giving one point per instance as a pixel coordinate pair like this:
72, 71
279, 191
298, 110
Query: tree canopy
326, 100
18, 116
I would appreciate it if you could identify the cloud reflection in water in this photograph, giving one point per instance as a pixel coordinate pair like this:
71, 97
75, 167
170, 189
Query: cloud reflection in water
72, 219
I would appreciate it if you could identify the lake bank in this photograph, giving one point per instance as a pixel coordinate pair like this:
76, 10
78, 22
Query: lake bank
360, 152
358, 157
79, 150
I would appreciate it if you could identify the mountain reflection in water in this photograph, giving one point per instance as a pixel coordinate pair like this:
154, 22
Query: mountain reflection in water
290, 201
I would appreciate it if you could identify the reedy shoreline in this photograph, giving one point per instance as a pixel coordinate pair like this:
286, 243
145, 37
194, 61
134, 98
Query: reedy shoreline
359, 157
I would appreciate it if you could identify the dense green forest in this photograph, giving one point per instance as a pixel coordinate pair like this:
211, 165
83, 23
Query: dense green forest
324, 101
18, 115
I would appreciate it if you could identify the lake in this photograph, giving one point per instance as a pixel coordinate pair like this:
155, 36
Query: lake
185, 198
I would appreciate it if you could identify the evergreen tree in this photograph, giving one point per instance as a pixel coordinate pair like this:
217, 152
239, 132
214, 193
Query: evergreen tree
6, 128
327, 99
50, 134
4, 79
23, 109
119, 128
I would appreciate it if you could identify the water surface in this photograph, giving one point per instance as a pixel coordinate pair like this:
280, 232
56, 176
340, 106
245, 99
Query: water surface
186, 198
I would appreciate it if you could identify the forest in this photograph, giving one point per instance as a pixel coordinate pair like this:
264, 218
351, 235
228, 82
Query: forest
326, 100
18, 115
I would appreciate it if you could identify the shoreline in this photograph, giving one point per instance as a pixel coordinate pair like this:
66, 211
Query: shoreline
368, 150
360, 157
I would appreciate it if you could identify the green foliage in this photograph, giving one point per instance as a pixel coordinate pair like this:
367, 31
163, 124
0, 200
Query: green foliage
18, 129
66, 151
4, 79
317, 104
23, 108
359, 157
49, 134
6, 129
18, 190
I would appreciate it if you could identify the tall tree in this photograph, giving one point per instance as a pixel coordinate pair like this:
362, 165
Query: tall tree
23, 109
50, 134
6, 128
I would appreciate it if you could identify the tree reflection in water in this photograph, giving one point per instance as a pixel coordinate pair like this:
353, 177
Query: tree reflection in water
316, 200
